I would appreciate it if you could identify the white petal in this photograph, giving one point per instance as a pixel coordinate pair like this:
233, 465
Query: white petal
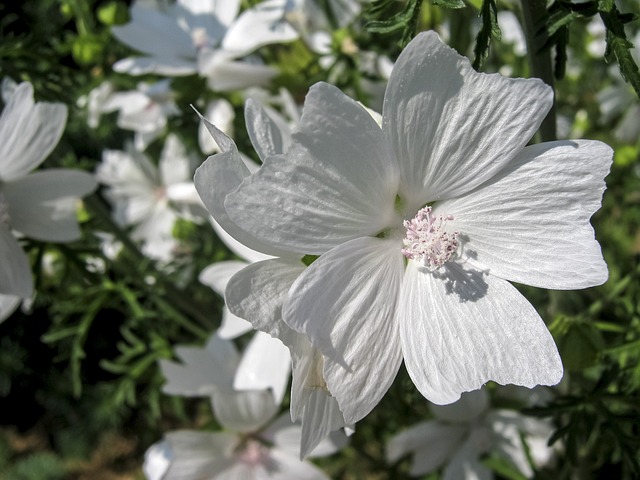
452, 128
244, 412
204, 370
469, 408
461, 328
336, 182
236, 247
172, 67
174, 162
530, 224
265, 364
196, 455
157, 459
432, 444
256, 294
224, 73
258, 26
8, 305
15, 271
269, 134
217, 275
232, 326
220, 113
345, 302
289, 467
321, 416
42, 205
466, 465
214, 179
155, 33
28, 132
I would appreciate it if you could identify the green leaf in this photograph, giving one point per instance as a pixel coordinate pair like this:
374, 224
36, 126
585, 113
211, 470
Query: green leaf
113, 13
450, 3
490, 28
618, 46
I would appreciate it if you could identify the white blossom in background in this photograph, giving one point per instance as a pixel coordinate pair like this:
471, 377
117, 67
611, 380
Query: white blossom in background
40, 205
190, 36
415, 229
465, 431
272, 273
150, 198
144, 111
254, 443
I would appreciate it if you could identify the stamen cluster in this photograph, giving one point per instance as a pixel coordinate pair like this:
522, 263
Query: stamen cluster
427, 241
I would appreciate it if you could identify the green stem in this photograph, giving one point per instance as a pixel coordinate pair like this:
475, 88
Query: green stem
534, 13
174, 296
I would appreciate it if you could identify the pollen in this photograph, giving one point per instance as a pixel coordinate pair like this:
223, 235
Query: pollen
428, 241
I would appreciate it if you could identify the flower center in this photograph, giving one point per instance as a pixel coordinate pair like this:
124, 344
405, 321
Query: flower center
427, 241
253, 454
200, 38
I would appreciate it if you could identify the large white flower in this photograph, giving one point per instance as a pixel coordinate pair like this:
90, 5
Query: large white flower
40, 205
420, 223
466, 430
271, 275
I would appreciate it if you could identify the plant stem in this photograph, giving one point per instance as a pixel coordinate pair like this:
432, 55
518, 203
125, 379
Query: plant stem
534, 13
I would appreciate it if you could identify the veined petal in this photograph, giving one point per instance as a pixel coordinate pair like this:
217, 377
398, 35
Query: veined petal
42, 205
321, 416
232, 326
461, 328
530, 224
29, 132
265, 364
257, 292
244, 412
450, 127
214, 179
336, 182
269, 134
432, 444
15, 271
236, 247
345, 303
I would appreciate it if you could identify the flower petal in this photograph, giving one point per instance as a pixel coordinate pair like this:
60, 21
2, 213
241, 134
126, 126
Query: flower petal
453, 128
42, 205
8, 305
461, 328
203, 370
265, 364
214, 179
466, 464
530, 224
289, 466
244, 412
29, 132
432, 444
269, 134
258, 26
336, 182
321, 416
199, 454
345, 302
15, 270
469, 408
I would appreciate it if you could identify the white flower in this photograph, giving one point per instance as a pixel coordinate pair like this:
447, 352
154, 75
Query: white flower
192, 36
144, 111
420, 223
271, 274
464, 431
150, 198
253, 445
40, 205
